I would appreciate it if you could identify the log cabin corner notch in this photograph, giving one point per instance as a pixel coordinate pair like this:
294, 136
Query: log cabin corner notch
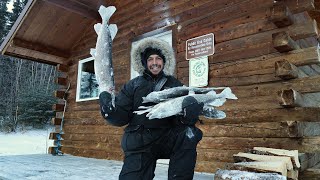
249, 58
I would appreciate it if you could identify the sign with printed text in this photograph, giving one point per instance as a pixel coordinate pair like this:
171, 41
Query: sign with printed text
200, 46
198, 72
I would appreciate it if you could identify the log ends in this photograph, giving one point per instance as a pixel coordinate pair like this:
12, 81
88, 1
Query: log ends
282, 42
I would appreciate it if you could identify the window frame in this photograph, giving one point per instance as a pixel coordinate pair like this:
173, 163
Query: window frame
80, 66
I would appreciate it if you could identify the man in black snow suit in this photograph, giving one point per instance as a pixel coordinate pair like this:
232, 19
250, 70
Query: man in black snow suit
144, 141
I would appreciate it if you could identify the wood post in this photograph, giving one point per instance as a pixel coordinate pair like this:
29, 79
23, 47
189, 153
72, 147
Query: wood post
62, 81
290, 98
283, 42
62, 68
54, 136
56, 121
281, 15
61, 94
58, 107
285, 70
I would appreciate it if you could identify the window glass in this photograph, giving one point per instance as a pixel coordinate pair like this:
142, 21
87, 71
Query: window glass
87, 86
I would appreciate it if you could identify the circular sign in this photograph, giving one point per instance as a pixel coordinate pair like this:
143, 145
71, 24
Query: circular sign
199, 69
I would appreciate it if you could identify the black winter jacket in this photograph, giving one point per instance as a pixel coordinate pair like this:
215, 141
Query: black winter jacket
130, 98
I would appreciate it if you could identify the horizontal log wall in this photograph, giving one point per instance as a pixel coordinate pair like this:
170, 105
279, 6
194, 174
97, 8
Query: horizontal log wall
245, 59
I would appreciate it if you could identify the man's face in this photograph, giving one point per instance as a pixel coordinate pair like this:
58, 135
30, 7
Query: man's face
155, 64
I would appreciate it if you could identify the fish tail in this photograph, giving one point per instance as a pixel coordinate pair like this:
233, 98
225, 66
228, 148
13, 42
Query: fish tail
97, 27
106, 13
113, 30
227, 93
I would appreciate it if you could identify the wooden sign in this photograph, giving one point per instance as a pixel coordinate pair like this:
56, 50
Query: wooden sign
200, 46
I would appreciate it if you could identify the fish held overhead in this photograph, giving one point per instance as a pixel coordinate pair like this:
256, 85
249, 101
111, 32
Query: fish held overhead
102, 53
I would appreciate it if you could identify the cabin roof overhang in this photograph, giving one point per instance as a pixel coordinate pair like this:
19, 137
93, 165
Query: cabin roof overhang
47, 30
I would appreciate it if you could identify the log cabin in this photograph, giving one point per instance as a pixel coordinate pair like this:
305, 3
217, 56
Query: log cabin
267, 51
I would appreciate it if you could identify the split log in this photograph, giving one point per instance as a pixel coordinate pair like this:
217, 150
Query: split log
281, 15
269, 167
293, 174
245, 175
285, 70
293, 154
283, 42
247, 157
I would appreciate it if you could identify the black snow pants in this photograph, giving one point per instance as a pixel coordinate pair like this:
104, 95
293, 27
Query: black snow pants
143, 146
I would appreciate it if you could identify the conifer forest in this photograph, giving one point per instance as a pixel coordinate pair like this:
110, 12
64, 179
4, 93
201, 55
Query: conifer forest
26, 87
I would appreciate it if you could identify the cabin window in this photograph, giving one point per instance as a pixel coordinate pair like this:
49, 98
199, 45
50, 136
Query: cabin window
167, 36
87, 86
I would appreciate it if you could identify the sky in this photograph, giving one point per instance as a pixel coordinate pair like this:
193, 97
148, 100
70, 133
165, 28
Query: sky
10, 6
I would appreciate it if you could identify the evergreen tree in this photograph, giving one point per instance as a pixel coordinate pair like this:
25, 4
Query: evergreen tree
26, 87
3, 19
18, 6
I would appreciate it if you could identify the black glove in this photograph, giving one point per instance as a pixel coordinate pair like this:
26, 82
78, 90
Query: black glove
191, 110
106, 106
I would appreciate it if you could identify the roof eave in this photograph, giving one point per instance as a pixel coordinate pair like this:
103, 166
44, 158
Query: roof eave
16, 26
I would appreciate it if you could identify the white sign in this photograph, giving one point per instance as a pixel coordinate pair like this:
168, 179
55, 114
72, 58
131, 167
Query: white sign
200, 46
198, 72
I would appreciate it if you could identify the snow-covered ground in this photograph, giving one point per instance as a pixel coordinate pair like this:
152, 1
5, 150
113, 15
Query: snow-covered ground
28, 142
23, 155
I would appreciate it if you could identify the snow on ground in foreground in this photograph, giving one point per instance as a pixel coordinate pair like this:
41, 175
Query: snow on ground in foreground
23, 155
29, 142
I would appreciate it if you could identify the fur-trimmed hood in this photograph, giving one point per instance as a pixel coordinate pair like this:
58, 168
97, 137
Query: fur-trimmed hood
163, 46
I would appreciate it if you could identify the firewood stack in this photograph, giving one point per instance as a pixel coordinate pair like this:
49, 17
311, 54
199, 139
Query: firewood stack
262, 163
